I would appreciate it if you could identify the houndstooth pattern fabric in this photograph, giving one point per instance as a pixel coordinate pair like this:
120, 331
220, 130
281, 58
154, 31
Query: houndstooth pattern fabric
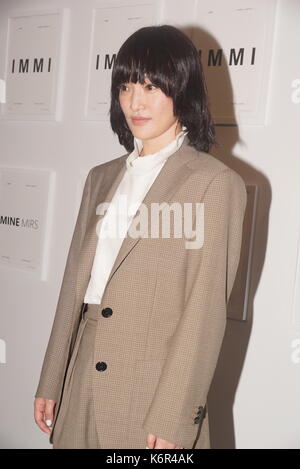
162, 341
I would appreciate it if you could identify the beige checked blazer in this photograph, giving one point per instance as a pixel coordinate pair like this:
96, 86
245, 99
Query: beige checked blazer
162, 342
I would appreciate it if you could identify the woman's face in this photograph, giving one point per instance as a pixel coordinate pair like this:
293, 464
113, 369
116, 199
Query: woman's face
149, 102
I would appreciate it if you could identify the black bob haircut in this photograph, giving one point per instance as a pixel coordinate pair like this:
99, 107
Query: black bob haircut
172, 63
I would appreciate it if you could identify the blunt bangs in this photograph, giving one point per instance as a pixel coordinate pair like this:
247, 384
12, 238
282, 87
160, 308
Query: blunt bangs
169, 59
147, 55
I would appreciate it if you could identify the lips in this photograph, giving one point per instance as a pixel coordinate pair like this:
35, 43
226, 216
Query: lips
140, 120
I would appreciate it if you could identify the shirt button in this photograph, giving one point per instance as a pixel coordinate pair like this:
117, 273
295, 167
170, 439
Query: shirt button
101, 366
106, 312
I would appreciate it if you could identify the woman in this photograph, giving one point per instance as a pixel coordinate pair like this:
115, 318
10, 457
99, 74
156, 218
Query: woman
140, 319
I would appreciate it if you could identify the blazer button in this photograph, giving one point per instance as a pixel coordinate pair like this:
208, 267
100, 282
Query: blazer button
200, 410
196, 419
106, 312
101, 366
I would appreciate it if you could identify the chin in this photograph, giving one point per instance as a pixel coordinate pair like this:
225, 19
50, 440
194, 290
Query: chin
144, 133
141, 135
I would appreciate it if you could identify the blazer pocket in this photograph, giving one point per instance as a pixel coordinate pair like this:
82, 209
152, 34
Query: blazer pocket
146, 377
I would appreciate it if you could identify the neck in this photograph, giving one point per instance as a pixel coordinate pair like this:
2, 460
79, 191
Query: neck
154, 145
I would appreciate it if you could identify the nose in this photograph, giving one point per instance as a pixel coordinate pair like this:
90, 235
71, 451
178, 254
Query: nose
137, 99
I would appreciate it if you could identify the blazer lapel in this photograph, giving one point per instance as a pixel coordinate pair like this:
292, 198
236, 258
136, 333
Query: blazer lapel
103, 191
172, 175
170, 178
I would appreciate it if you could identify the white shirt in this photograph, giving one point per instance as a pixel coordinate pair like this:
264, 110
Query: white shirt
140, 174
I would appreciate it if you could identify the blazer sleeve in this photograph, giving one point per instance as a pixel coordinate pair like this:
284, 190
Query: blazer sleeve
56, 356
180, 396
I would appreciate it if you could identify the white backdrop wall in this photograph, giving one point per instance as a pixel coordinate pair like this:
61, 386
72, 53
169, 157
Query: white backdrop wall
254, 399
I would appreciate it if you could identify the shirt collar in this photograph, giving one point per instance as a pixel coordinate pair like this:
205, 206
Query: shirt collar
141, 164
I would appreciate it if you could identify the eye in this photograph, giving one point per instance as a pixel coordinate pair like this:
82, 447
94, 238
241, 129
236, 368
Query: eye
151, 87
122, 87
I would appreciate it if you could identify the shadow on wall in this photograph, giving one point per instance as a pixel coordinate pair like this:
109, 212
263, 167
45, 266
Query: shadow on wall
230, 364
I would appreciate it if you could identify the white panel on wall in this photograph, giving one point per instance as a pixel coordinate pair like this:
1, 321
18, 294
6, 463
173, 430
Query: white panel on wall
182, 16
239, 300
34, 63
236, 52
26, 199
105, 43
296, 293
